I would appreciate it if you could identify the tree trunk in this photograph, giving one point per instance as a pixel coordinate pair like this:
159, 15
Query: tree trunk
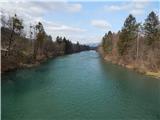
35, 50
10, 42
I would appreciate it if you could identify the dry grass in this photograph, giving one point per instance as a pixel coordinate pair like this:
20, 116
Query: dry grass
154, 74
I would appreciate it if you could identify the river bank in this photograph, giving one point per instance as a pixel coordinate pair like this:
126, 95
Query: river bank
18, 51
137, 67
10, 63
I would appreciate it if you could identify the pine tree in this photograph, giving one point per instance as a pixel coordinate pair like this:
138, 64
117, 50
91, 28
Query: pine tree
128, 34
107, 42
151, 28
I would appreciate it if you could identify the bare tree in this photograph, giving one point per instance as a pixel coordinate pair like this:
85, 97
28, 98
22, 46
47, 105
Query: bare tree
15, 25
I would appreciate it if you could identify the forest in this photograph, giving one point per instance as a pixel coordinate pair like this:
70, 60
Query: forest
19, 51
136, 45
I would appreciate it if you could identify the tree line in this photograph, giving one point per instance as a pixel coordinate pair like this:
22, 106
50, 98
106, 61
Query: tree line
136, 43
18, 48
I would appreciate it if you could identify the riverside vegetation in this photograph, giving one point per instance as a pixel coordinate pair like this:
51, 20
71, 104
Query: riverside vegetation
18, 51
135, 46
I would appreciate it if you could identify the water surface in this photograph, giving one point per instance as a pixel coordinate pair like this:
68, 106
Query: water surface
79, 87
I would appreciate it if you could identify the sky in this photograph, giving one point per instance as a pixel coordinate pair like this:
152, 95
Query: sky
85, 21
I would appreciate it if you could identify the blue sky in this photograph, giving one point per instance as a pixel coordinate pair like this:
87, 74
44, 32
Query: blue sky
85, 22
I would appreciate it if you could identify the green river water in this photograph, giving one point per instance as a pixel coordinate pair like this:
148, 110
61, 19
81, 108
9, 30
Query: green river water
79, 87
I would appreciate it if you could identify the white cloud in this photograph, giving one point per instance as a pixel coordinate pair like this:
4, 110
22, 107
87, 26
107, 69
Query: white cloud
33, 12
57, 29
102, 24
74, 7
137, 12
134, 7
39, 8
53, 26
116, 7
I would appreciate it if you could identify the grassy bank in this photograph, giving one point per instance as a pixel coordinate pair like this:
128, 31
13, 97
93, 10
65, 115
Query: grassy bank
133, 66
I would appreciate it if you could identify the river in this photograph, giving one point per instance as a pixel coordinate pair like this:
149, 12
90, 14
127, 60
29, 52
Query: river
80, 86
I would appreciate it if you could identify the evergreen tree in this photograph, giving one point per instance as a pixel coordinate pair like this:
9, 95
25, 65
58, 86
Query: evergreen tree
151, 28
128, 34
107, 42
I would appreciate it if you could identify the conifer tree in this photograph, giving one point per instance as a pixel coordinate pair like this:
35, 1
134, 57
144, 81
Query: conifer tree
128, 34
151, 28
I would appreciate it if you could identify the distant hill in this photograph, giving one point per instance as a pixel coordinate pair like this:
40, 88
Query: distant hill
93, 44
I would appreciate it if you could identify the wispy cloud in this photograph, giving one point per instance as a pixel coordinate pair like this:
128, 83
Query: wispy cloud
53, 26
76, 20
116, 7
102, 24
134, 7
39, 8
33, 12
